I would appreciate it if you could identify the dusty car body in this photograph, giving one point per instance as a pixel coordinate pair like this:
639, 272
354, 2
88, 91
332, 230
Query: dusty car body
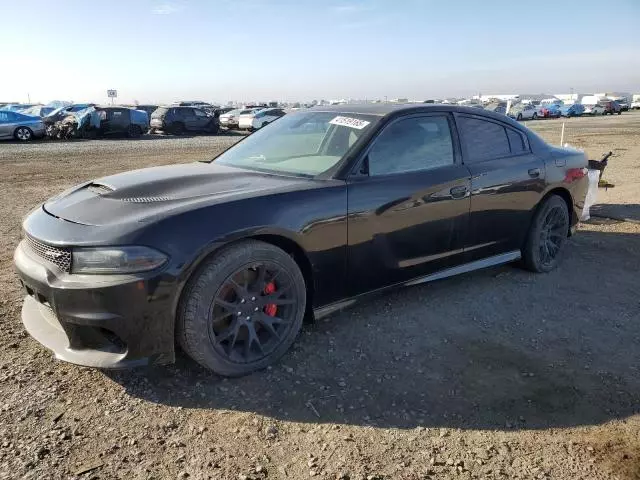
182, 119
306, 216
14, 125
96, 121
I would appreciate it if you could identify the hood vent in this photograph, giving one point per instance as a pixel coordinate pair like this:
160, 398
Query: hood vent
99, 188
147, 199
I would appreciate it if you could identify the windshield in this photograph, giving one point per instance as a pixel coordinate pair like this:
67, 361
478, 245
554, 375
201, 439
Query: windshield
304, 143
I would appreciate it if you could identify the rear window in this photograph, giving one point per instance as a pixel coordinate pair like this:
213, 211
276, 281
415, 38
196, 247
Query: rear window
160, 112
483, 140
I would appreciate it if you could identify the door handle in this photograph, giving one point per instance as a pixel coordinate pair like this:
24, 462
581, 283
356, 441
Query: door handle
459, 192
534, 172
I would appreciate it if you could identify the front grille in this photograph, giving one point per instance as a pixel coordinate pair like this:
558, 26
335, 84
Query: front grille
60, 257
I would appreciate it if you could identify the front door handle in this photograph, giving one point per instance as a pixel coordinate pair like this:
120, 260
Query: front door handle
459, 192
534, 172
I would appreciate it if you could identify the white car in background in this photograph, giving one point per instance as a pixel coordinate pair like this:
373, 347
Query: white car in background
590, 109
260, 118
230, 119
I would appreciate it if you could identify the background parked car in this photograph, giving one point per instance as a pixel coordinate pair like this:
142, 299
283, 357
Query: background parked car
624, 104
549, 111
122, 120
178, 120
593, 109
147, 108
524, 112
38, 111
611, 107
19, 126
18, 107
500, 107
574, 110
260, 118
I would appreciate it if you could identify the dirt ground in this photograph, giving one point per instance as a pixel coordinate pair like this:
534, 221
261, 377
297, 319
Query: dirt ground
498, 374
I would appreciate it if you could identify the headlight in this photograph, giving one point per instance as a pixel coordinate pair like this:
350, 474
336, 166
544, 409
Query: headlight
110, 260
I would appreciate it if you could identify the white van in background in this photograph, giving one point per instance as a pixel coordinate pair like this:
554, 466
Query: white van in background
591, 105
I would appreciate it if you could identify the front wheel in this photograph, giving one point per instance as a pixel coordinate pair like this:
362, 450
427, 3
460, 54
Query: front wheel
535, 116
243, 309
547, 236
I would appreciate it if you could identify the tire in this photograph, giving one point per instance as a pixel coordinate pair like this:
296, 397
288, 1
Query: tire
178, 128
619, 113
535, 116
264, 124
216, 307
24, 134
519, 117
152, 131
537, 255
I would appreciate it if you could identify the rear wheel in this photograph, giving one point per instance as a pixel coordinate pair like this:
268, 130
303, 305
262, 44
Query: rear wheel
243, 309
535, 116
24, 134
547, 236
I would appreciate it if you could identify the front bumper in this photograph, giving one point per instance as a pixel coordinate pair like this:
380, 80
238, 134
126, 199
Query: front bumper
104, 321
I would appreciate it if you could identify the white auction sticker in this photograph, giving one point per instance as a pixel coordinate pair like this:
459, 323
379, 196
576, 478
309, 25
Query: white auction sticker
350, 122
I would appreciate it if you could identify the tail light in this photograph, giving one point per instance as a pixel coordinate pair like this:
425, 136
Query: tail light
574, 174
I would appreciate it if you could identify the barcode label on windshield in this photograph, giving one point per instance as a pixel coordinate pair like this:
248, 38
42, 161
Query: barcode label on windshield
350, 122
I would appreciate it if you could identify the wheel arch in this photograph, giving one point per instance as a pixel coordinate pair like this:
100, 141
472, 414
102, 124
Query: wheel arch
279, 240
15, 130
566, 196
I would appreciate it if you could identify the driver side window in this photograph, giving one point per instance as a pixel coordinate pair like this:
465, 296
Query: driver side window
412, 144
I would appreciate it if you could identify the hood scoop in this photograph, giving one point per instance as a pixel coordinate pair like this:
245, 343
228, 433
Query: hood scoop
99, 188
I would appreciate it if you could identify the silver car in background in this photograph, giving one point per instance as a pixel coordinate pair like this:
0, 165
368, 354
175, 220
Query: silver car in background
19, 126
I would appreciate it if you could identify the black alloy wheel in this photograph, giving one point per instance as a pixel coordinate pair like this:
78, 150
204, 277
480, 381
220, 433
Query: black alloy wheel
252, 311
242, 309
547, 236
553, 234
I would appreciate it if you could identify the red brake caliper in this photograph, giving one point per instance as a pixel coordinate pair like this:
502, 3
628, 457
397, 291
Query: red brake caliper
270, 308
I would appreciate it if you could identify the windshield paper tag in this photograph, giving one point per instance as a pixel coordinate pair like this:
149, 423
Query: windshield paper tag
350, 122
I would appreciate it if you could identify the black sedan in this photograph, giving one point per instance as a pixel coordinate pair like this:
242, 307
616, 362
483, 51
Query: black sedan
304, 217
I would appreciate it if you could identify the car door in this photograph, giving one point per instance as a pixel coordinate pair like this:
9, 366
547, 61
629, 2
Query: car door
188, 117
507, 181
202, 120
408, 204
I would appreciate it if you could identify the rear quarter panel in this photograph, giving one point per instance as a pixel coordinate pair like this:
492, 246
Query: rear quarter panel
559, 162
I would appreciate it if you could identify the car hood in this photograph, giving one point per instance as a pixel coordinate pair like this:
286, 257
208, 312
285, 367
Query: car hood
142, 195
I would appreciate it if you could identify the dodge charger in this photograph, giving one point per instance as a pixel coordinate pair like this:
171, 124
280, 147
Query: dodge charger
317, 211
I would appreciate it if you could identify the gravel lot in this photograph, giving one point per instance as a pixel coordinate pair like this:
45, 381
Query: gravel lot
497, 374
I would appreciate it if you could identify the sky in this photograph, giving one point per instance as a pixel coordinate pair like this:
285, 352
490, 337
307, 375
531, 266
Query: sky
300, 50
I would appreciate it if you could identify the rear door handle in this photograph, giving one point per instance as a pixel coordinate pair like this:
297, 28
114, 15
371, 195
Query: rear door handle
534, 172
459, 192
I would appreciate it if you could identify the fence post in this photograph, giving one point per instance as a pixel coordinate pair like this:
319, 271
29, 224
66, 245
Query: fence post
562, 135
